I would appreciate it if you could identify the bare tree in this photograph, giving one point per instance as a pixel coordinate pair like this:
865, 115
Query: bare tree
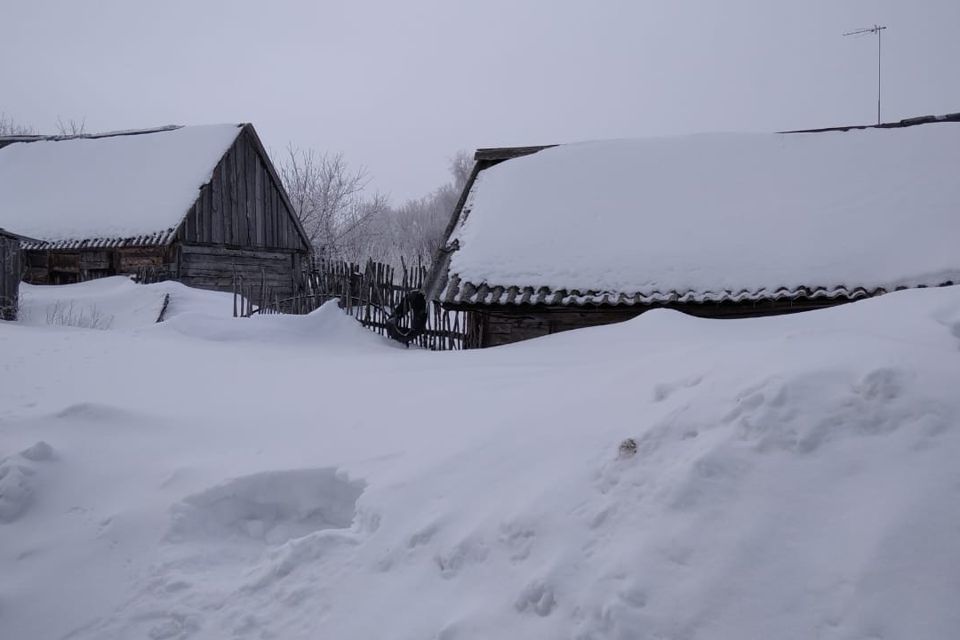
71, 127
415, 228
461, 165
9, 127
343, 220
330, 199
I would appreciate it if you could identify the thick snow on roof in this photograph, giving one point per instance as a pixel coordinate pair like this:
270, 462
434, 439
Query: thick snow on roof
715, 212
117, 186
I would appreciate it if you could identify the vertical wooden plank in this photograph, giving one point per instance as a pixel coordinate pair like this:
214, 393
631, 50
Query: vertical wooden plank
259, 213
236, 198
199, 212
241, 197
216, 205
208, 205
203, 218
248, 181
268, 233
281, 223
190, 224
229, 237
203, 204
274, 215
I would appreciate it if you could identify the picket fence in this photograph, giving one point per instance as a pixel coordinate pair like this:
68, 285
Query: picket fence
368, 292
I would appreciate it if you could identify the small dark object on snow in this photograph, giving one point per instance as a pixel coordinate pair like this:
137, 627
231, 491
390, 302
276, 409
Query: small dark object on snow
628, 448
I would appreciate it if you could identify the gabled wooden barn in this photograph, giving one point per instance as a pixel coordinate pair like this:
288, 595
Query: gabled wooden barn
198, 204
11, 268
550, 238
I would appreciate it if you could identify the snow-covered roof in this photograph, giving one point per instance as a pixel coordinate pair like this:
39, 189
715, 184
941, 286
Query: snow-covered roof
108, 187
713, 217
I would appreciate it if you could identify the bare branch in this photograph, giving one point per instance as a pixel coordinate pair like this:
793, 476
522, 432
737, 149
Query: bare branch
71, 127
8, 127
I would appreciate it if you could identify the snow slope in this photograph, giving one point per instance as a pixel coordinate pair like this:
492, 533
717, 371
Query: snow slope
116, 303
720, 212
296, 477
107, 187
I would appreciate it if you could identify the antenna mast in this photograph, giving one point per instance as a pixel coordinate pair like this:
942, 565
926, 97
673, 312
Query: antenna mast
877, 29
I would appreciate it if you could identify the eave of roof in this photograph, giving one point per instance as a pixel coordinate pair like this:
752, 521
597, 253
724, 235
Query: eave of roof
906, 122
458, 293
506, 153
87, 136
158, 239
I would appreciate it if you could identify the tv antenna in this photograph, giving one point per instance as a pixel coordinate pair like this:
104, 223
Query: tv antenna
877, 29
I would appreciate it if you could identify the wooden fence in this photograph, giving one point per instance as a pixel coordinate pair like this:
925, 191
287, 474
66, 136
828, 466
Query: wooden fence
369, 293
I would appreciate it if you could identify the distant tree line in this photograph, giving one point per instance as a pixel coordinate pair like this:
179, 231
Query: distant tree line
342, 215
346, 219
10, 127
70, 127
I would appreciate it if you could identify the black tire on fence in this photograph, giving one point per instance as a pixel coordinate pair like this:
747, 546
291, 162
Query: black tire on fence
415, 305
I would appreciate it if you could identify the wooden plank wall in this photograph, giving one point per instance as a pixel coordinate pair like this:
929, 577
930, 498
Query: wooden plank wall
503, 325
240, 227
242, 206
80, 265
10, 268
206, 267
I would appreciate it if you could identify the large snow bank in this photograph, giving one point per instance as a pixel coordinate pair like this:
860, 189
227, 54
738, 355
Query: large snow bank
111, 187
794, 478
716, 212
116, 303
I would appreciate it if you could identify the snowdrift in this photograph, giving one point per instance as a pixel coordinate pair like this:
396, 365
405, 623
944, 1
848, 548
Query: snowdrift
793, 478
116, 303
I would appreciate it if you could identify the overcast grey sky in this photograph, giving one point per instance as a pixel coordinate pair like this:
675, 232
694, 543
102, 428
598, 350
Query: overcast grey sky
399, 86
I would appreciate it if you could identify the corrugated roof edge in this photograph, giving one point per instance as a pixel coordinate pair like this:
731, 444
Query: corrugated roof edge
458, 293
159, 238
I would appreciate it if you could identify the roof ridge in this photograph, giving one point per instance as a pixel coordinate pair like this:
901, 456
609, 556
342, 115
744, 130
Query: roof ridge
495, 154
103, 134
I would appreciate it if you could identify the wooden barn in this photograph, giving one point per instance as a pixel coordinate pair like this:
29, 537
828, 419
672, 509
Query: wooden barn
550, 238
11, 269
199, 204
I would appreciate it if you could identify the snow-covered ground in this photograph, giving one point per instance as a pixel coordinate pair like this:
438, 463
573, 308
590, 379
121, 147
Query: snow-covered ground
116, 303
297, 477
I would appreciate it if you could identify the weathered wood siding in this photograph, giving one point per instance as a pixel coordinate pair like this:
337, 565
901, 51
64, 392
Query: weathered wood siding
10, 270
242, 206
207, 267
498, 326
66, 267
241, 226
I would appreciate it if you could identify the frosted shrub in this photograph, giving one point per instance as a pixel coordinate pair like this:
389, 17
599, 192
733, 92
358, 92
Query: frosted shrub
69, 315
